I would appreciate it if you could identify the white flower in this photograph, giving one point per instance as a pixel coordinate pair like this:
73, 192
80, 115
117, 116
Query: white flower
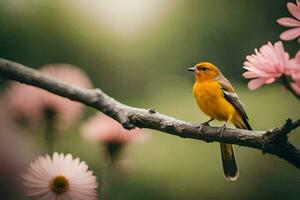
60, 178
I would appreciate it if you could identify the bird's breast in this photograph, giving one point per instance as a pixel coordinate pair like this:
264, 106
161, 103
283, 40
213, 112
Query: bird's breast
211, 101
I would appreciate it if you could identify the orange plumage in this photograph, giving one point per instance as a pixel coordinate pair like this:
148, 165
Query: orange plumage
215, 96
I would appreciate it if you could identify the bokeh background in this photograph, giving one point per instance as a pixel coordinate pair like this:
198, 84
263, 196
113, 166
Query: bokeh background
138, 51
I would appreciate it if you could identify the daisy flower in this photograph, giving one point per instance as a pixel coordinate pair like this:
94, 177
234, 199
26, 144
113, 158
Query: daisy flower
60, 178
292, 23
266, 65
101, 128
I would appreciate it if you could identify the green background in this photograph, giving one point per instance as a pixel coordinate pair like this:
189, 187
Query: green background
140, 56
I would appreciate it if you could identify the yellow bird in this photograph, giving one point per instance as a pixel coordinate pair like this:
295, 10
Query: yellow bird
216, 98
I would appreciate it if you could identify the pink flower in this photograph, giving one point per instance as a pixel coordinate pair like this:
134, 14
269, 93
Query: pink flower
68, 111
296, 87
31, 103
15, 152
106, 130
294, 23
293, 69
23, 102
266, 65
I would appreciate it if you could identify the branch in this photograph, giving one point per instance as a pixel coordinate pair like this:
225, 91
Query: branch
273, 141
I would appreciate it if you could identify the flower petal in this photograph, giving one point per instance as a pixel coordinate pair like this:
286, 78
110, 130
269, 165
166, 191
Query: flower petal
270, 80
296, 76
294, 10
297, 57
250, 74
296, 87
289, 22
290, 34
256, 83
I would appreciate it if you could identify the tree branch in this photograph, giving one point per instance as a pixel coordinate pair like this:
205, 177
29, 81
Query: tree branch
273, 141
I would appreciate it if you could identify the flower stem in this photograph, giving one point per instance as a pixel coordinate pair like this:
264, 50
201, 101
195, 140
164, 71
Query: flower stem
49, 130
107, 180
284, 80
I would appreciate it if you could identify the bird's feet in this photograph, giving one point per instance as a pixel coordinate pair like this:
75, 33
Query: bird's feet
221, 130
201, 126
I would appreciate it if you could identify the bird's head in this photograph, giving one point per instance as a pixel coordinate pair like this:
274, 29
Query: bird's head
205, 71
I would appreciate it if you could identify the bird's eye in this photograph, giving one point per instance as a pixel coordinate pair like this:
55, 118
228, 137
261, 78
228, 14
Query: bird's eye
204, 68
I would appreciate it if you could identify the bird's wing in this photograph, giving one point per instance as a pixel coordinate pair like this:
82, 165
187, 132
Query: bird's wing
232, 98
230, 95
225, 84
235, 101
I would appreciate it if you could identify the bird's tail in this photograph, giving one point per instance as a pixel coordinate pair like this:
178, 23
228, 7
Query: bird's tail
230, 167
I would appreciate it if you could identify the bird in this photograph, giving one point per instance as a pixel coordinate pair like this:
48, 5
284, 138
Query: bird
216, 97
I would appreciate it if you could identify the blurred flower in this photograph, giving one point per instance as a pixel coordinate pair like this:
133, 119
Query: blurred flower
23, 102
266, 65
61, 177
68, 111
31, 103
101, 128
106, 130
15, 151
294, 23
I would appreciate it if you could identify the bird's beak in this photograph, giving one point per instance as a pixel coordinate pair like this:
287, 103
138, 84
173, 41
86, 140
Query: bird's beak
192, 69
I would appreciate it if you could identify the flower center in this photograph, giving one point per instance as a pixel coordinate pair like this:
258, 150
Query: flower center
59, 184
114, 149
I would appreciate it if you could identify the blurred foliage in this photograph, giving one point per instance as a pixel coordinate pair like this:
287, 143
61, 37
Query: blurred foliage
224, 32
145, 66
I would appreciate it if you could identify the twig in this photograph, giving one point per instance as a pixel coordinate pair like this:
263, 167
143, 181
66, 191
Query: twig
272, 141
